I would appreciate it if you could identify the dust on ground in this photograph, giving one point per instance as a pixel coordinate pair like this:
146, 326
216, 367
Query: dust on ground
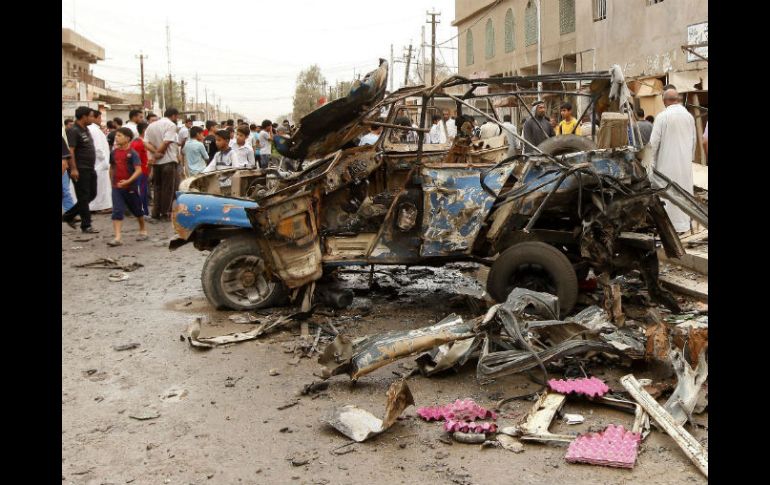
212, 416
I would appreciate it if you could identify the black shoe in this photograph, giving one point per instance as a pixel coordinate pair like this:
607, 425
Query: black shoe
90, 230
72, 224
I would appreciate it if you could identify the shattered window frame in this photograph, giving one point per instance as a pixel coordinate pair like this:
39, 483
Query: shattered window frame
510, 40
530, 25
489, 39
469, 48
566, 16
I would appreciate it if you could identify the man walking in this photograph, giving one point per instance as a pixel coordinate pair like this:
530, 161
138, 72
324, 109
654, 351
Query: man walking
81, 168
538, 128
672, 144
163, 135
103, 199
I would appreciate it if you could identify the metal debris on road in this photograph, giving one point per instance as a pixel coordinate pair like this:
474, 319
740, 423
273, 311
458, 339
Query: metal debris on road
360, 425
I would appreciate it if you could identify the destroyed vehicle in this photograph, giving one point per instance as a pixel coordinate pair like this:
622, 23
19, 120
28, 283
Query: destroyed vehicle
540, 221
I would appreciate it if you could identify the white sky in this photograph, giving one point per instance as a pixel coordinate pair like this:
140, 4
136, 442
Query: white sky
250, 59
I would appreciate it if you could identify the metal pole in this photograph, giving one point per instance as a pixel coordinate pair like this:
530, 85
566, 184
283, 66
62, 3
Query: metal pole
422, 75
539, 51
433, 23
141, 73
408, 61
390, 77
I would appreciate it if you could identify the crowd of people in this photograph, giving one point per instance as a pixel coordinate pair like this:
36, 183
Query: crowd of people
109, 167
112, 169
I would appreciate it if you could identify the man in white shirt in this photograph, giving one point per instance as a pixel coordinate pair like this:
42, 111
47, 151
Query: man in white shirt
672, 144
242, 152
489, 130
162, 134
135, 117
184, 132
265, 143
437, 133
449, 126
513, 142
103, 199
371, 137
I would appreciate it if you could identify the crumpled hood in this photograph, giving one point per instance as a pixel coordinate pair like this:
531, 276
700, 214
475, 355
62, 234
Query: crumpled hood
335, 124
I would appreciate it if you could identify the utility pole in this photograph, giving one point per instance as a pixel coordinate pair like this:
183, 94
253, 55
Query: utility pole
408, 61
197, 99
206, 108
539, 52
183, 97
168, 59
141, 57
422, 49
433, 23
390, 66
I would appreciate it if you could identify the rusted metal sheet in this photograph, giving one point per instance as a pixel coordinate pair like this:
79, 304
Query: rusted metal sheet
289, 236
360, 425
456, 204
371, 353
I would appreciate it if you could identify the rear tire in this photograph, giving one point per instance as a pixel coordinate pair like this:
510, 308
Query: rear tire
235, 277
563, 144
536, 266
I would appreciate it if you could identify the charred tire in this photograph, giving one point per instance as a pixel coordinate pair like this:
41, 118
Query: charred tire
235, 277
536, 266
562, 144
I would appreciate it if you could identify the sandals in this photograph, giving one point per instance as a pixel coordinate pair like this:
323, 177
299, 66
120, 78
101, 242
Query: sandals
142, 237
114, 243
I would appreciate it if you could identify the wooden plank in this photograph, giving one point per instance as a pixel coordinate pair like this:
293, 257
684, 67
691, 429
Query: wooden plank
694, 288
689, 445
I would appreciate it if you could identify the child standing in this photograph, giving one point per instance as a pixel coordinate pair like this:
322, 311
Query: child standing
125, 170
195, 152
224, 158
244, 154
138, 145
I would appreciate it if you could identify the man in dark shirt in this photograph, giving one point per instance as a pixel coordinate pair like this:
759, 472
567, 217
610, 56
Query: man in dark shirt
645, 127
81, 168
210, 142
532, 132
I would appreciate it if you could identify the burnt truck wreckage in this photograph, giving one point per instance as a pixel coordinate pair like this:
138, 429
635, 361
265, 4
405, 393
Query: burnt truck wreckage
539, 220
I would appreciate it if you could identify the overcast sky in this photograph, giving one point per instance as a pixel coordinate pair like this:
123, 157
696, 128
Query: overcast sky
250, 58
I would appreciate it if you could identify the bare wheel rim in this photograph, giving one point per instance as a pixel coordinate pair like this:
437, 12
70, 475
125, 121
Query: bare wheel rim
245, 281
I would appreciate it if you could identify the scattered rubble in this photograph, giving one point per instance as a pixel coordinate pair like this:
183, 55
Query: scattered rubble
109, 263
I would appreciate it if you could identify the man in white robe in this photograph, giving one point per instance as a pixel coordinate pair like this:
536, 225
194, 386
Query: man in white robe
672, 144
103, 198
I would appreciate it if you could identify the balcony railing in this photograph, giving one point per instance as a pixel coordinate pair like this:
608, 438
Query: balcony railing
89, 79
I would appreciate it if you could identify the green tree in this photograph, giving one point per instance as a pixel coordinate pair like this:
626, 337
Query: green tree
310, 88
153, 92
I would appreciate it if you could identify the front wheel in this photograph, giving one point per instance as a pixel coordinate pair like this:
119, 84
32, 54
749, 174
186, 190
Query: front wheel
536, 266
235, 277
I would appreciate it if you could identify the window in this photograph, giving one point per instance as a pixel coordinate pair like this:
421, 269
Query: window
600, 10
489, 40
530, 21
469, 48
510, 41
567, 16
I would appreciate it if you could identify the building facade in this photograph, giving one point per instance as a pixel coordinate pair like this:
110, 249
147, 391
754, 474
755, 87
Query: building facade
644, 37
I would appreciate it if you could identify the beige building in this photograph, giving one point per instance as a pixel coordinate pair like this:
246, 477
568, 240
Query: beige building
644, 37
